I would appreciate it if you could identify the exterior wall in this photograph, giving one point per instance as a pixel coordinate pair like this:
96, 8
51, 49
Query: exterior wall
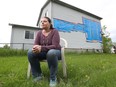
75, 39
67, 14
47, 9
18, 40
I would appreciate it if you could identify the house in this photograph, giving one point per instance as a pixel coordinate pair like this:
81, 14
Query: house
22, 36
78, 28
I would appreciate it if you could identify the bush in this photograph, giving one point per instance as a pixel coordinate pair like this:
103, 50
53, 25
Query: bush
6, 46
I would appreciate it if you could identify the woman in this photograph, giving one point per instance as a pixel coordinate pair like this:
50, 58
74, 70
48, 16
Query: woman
46, 46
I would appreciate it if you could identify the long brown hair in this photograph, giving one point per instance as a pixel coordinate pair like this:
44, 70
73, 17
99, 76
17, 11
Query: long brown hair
49, 20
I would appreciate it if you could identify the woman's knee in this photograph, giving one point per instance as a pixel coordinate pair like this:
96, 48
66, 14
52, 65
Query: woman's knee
53, 53
30, 54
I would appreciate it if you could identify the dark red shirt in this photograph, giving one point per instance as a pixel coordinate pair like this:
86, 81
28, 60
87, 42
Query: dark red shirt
52, 41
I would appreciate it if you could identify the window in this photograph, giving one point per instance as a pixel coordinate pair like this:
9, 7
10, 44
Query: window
46, 14
29, 35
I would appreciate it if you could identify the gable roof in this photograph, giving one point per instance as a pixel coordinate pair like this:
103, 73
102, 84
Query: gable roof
68, 6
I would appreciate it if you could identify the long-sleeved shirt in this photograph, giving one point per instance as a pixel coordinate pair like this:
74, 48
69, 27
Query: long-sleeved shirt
52, 41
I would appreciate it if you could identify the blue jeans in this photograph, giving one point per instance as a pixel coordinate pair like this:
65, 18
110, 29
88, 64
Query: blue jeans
52, 57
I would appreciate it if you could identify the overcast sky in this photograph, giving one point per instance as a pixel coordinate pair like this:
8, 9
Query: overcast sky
26, 12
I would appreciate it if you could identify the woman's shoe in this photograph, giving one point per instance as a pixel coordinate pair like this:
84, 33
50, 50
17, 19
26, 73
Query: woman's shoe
53, 83
36, 79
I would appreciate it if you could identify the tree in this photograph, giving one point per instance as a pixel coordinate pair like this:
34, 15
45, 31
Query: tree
106, 40
6, 46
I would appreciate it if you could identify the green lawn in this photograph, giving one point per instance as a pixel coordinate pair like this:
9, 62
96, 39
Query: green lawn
84, 70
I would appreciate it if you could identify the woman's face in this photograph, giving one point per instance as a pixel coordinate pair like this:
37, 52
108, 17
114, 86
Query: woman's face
45, 24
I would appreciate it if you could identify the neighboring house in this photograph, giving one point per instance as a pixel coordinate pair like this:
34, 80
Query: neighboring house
22, 37
78, 28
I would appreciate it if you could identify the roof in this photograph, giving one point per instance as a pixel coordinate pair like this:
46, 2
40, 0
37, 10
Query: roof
68, 6
34, 27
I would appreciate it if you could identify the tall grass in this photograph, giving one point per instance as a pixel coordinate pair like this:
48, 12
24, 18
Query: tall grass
84, 70
93, 70
12, 52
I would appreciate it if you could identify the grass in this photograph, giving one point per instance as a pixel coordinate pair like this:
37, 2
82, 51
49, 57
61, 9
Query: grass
84, 70
12, 52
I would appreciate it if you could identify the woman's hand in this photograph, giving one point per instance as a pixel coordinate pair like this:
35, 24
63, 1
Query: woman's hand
36, 49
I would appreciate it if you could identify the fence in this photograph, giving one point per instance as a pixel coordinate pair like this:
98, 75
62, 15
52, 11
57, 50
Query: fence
24, 46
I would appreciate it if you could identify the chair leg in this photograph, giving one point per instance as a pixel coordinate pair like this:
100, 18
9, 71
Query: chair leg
63, 63
64, 69
28, 71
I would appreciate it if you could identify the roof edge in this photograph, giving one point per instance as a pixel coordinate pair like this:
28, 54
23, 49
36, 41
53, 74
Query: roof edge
47, 2
11, 24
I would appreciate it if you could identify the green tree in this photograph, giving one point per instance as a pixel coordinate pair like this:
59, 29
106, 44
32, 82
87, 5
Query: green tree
106, 40
6, 46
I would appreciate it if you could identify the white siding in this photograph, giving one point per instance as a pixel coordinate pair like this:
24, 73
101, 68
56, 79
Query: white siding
74, 39
78, 40
18, 38
47, 9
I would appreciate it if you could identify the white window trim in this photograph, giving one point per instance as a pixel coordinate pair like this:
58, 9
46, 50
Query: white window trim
29, 31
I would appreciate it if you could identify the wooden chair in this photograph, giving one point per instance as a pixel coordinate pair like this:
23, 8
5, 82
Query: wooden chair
62, 61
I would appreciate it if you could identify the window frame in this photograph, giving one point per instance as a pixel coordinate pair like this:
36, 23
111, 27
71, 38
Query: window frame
30, 34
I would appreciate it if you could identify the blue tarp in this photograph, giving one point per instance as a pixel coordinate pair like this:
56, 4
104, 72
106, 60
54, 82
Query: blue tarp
67, 26
91, 28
